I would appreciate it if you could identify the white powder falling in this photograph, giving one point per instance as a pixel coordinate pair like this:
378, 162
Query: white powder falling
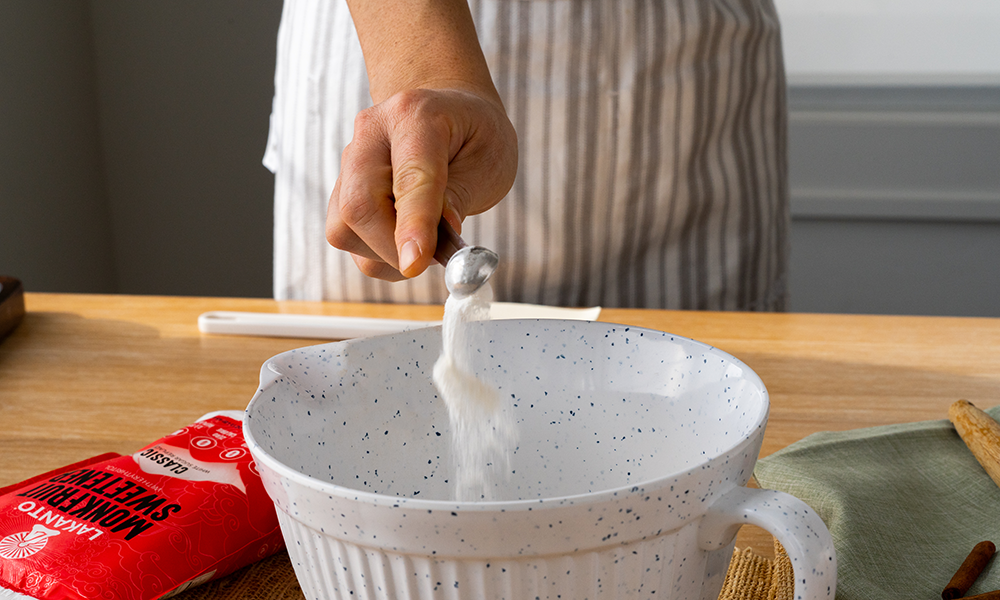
483, 434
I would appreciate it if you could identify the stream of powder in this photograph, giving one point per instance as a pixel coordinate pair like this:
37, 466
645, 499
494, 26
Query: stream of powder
483, 434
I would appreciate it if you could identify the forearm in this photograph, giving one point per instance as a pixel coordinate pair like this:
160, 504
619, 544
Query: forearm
429, 44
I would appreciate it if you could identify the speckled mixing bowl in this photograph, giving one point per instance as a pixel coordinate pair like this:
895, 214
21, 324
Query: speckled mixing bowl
634, 447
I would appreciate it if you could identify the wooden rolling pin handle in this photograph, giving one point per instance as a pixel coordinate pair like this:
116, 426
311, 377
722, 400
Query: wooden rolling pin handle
980, 433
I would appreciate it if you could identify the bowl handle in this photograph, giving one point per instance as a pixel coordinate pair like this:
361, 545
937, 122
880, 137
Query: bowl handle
799, 529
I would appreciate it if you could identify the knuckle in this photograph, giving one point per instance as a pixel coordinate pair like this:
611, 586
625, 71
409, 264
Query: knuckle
356, 210
366, 119
460, 196
419, 106
369, 267
410, 101
410, 177
377, 269
339, 236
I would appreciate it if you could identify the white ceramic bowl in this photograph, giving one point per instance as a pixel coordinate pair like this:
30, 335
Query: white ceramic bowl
634, 447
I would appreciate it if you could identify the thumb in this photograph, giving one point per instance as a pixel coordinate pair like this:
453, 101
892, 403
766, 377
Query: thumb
419, 179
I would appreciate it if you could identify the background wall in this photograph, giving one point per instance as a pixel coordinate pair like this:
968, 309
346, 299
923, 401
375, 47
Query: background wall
894, 141
895, 199
131, 135
55, 222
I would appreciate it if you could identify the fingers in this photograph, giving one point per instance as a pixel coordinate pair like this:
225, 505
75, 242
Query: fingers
339, 234
361, 216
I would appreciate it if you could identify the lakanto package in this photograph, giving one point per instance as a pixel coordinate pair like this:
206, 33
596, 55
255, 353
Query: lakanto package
184, 510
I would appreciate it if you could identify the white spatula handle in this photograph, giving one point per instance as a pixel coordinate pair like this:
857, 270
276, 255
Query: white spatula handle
303, 326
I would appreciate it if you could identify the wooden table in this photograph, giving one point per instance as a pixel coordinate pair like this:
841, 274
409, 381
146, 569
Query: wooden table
87, 374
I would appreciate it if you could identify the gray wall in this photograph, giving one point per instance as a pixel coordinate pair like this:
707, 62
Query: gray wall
895, 199
131, 135
55, 227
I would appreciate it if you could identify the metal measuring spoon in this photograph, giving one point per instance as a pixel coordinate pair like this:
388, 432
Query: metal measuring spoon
466, 268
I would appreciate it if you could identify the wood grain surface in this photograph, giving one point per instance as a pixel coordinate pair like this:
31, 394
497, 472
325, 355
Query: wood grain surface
87, 374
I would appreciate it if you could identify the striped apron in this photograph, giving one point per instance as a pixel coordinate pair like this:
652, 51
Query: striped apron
652, 154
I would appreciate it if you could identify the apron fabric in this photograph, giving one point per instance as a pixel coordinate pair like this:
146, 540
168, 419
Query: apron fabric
652, 154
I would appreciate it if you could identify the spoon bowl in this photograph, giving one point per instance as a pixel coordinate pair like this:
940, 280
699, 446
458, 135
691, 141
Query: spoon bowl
469, 269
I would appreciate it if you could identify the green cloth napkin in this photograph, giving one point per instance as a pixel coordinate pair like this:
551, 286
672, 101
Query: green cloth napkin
905, 505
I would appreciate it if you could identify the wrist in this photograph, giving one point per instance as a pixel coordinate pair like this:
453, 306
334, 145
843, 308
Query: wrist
421, 44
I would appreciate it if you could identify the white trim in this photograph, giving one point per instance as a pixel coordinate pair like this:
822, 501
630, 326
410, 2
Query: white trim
802, 78
896, 205
901, 118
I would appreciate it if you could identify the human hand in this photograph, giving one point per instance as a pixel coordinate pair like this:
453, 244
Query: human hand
417, 157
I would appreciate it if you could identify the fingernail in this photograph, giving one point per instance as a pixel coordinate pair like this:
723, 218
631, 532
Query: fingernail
408, 255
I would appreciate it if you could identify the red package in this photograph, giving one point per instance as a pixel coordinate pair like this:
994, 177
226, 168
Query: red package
184, 510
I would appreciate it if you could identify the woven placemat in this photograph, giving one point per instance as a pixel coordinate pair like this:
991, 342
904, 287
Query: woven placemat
750, 577
270, 579
753, 577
